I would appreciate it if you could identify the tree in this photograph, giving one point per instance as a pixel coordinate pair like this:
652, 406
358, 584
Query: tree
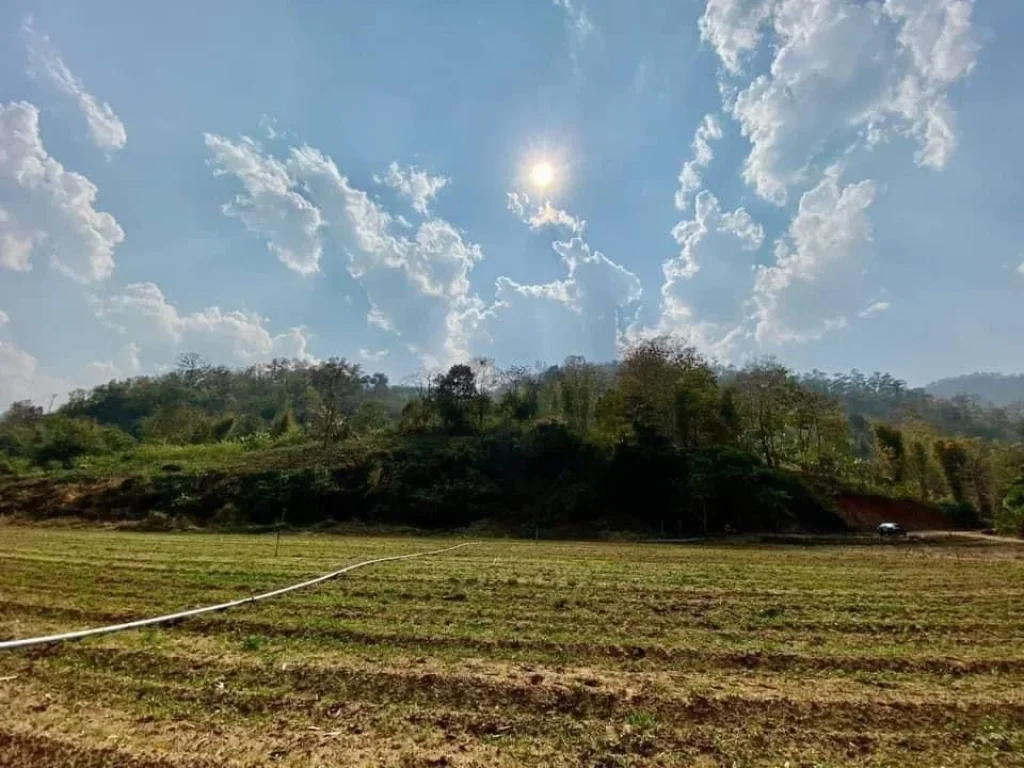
454, 394
953, 459
577, 391
176, 424
284, 424
520, 393
22, 413
370, 416
766, 393
893, 451
192, 368
486, 376
336, 383
1010, 518
64, 439
669, 390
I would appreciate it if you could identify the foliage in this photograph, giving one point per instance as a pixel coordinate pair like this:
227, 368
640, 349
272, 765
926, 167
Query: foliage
662, 440
62, 440
1010, 519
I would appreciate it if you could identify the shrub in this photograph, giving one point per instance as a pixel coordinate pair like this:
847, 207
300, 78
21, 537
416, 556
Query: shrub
962, 515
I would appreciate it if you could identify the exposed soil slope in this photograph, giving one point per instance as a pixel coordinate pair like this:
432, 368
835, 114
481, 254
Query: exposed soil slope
865, 512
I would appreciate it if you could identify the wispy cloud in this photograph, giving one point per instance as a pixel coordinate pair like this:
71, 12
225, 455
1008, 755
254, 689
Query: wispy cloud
545, 215
578, 24
105, 127
692, 173
874, 308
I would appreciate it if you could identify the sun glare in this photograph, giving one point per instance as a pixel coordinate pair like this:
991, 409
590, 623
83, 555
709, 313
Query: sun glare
542, 174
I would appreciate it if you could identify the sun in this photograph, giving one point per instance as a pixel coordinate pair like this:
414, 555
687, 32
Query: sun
542, 174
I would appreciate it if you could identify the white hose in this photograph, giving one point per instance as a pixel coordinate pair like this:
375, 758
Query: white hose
11, 644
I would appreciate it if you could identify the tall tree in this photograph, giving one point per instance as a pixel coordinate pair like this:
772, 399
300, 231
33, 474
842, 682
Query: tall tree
455, 393
336, 383
766, 392
577, 386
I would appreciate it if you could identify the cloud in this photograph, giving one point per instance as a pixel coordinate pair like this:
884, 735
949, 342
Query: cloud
125, 366
691, 176
585, 312
415, 184
105, 127
842, 73
577, 23
733, 27
417, 284
707, 284
142, 311
545, 215
46, 209
373, 355
416, 277
874, 308
272, 207
1020, 269
819, 266
20, 377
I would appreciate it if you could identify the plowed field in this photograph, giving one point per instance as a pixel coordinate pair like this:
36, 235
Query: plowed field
511, 653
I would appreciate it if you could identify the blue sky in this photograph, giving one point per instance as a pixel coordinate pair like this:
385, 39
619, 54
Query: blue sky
836, 183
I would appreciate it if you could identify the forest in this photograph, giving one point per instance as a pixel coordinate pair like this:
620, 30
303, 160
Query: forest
662, 440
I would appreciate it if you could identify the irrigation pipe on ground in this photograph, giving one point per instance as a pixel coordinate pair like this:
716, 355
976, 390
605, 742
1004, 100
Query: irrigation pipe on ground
25, 643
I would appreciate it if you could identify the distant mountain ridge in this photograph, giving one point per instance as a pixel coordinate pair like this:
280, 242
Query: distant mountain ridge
1000, 389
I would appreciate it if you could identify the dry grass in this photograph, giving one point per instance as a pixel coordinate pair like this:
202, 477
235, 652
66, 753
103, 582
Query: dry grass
513, 653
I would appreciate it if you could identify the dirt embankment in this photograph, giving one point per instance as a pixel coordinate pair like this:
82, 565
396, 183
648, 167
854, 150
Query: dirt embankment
865, 512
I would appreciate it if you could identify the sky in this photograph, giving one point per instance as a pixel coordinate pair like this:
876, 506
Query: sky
408, 184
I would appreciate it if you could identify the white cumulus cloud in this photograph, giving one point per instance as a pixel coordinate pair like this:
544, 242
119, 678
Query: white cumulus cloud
105, 127
842, 73
733, 27
273, 206
585, 312
415, 184
141, 311
813, 284
706, 285
417, 283
45, 209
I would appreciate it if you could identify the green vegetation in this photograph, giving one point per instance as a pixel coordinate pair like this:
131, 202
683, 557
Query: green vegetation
511, 653
662, 441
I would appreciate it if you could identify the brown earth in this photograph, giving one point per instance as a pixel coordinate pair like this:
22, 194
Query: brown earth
865, 512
